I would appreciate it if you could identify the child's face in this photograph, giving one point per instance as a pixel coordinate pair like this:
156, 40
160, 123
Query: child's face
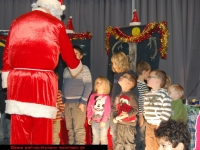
152, 80
78, 54
99, 85
146, 74
115, 66
125, 80
173, 93
167, 145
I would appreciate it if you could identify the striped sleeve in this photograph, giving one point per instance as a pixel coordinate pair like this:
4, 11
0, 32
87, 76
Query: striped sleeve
142, 88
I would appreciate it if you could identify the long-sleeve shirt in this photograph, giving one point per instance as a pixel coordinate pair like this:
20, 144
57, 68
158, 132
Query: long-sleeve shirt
77, 89
142, 89
178, 111
99, 107
157, 106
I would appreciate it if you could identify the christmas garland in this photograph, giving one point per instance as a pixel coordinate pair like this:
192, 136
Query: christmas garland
72, 36
3, 37
145, 34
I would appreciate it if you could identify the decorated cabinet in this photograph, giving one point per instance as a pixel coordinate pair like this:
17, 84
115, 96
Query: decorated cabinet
143, 42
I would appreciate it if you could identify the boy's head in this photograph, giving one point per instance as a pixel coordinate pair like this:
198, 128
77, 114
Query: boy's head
127, 82
157, 79
173, 135
78, 52
120, 62
176, 91
143, 68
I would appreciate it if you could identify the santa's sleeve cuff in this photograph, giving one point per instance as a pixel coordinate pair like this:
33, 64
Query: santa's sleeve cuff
4, 77
74, 72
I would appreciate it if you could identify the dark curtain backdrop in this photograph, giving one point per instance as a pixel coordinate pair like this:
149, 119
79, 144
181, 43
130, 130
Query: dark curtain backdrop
182, 17
183, 21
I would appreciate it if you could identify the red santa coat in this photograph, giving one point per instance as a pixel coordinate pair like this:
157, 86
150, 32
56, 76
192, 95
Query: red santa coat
31, 54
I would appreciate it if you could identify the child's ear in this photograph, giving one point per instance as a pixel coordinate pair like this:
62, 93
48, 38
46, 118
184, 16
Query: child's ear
180, 146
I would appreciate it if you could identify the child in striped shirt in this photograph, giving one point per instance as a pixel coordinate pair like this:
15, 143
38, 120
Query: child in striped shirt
157, 106
143, 70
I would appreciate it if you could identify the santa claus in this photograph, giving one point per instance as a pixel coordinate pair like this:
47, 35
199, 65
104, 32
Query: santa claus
32, 50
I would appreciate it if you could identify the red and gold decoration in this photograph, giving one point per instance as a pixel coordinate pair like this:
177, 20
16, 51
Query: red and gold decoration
79, 36
3, 37
73, 36
149, 29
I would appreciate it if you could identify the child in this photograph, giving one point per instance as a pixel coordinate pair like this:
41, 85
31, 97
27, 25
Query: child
76, 92
98, 111
126, 109
143, 69
56, 122
157, 106
179, 112
173, 135
120, 66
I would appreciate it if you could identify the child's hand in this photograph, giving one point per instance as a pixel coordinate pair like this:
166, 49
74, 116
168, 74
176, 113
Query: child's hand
81, 106
102, 124
114, 120
122, 115
89, 121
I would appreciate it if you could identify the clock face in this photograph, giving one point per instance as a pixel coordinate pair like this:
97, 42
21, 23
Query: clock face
135, 31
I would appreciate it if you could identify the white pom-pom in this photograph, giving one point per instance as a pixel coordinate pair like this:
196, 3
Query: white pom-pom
63, 7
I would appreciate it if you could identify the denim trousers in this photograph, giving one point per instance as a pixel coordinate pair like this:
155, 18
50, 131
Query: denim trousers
99, 134
4, 129
140, 136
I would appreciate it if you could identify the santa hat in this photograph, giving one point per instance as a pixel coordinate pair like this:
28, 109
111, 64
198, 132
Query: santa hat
58, 4
135, 21
69, 26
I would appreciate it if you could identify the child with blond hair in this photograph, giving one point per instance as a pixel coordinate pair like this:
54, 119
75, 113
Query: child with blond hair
98, 111
120, 66
176, 92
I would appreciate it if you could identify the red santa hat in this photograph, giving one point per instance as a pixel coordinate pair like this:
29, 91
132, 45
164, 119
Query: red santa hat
69, 26
58, 4
135, 21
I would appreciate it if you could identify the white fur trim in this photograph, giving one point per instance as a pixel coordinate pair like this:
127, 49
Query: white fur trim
4, 77
30, 109
134, 23
69, 31
63, 7
54, 3
74, 72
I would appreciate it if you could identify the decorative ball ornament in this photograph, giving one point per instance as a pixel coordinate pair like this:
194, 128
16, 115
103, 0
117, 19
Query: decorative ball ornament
135, 31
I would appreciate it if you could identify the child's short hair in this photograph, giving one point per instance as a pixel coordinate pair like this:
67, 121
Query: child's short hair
106, 83
175, 132
121, 60
133, 80
141, 66
178, 88
168, 82
78, 49
160, 74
